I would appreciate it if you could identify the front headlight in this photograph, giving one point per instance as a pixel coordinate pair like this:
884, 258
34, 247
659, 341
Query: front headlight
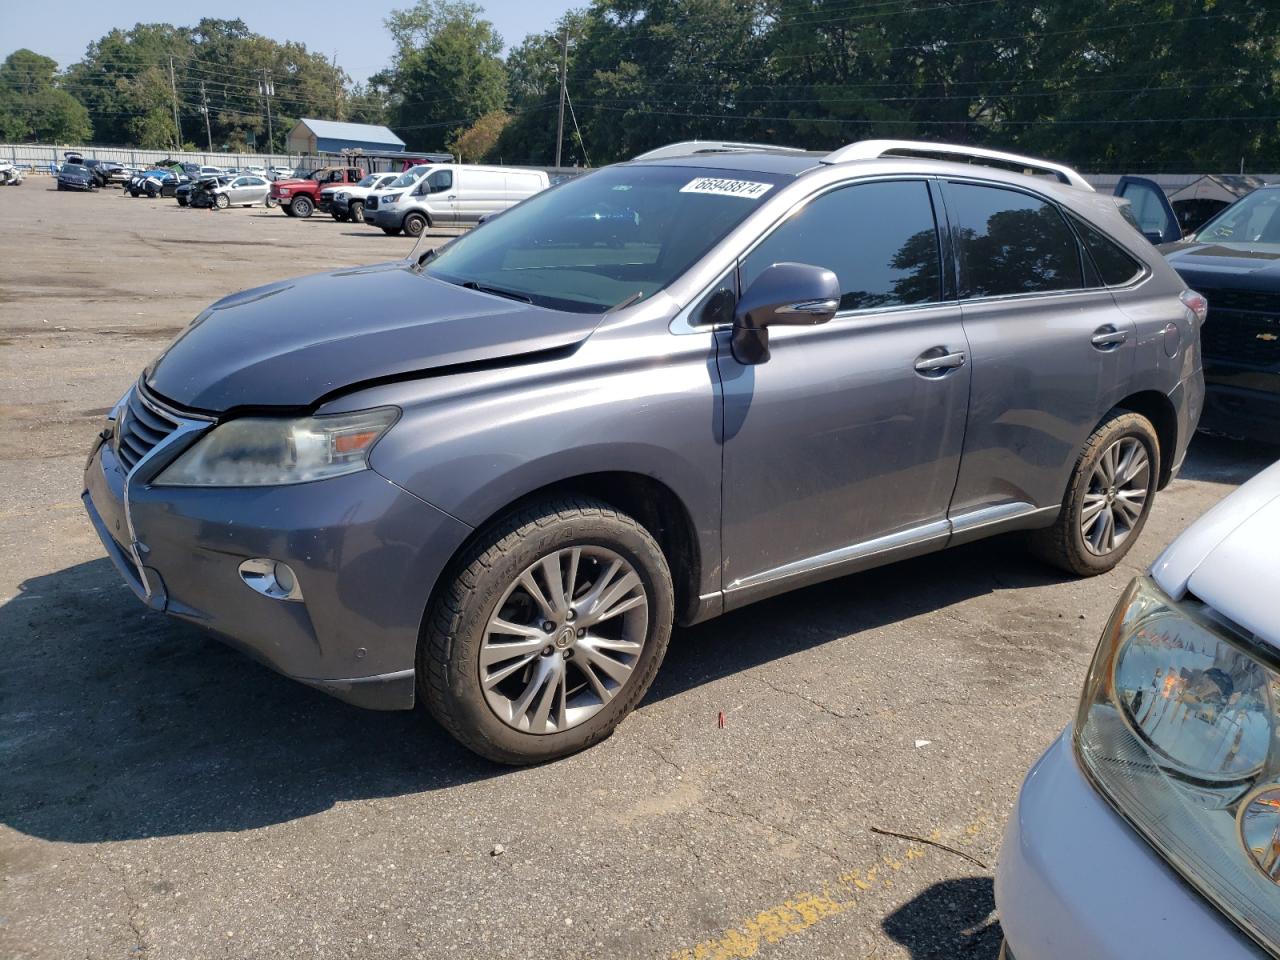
283, 191
1177, 729
263, 451
339, 196
391, 198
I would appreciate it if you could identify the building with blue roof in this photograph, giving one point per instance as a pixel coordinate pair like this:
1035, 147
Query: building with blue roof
329, 136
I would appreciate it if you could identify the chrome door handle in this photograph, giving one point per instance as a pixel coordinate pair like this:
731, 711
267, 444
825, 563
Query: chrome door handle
1107, 337
947, 361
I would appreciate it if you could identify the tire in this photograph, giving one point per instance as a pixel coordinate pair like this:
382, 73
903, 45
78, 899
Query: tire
486, 583
391, 231
1078, 542
271, 203
301, 207
152, 192
415, 223
133, 192
357, 212
340, 217
221, 201
183, 201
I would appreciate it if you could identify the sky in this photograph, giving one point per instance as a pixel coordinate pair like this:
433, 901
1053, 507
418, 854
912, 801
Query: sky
353, 30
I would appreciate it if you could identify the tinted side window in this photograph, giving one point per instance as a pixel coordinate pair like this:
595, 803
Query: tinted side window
1114, 265
878, 238
1011, 242
439, 181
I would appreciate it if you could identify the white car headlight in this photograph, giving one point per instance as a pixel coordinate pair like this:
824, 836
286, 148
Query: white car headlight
1177, 729
283, 191
391, 198
269, 451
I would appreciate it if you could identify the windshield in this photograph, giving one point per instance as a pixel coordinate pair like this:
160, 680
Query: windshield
1253, 220
597, 241
368, 181
408, 178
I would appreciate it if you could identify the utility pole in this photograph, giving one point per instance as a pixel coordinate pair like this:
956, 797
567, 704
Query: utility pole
204, 106
177, 127
564, 69
268, 88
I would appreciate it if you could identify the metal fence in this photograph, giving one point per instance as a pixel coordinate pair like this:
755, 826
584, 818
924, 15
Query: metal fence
39, 156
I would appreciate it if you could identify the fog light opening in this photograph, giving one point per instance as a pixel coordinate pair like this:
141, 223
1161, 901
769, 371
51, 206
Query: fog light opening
271, 578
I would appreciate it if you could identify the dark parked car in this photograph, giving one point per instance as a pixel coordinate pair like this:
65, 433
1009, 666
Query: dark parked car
104, 171
494, 476
1234, 260
76, 176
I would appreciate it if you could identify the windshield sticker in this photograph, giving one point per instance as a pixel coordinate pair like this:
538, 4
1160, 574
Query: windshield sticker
727, 188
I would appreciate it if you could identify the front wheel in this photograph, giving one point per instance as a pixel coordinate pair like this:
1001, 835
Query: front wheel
271, 203
357, 212
222, 201
549, 632
1108, 500
301, 207
414, 224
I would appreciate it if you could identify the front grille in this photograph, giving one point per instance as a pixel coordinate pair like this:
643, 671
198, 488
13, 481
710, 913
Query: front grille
141, 425
1243, 326
371, 203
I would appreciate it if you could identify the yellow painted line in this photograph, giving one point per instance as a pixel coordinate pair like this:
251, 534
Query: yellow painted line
802, 911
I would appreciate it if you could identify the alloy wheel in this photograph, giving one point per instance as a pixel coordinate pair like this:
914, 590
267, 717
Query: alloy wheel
564, 639
1117, 496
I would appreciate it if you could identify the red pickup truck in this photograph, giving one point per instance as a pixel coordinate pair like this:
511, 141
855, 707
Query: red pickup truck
300, 196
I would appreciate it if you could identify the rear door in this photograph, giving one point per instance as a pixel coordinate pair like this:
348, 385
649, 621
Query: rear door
1150, 208
1051, 350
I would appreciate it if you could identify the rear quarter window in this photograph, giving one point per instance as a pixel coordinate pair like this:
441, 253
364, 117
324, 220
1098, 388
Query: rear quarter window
1114, 266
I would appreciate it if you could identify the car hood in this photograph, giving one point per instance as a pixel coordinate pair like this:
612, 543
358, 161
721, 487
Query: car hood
1227, 557
293, 182
1226, 264
291, 343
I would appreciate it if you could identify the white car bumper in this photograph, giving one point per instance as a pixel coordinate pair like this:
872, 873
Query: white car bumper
1075, 881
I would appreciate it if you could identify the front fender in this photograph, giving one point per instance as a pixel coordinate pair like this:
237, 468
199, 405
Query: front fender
472, 443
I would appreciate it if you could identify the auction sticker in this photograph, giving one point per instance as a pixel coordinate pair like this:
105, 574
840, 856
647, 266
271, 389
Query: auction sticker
721, 187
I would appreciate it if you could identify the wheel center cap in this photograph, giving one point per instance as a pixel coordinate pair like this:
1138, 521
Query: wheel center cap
565, 638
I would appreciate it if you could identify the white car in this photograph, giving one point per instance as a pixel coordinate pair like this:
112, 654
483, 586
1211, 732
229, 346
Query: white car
346, 200
1151, 828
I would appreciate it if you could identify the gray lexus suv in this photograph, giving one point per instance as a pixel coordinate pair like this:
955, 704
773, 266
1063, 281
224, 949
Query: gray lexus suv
493, 476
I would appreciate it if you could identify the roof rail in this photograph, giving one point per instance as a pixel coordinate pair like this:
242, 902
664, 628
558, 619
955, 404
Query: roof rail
873, 149
689, 148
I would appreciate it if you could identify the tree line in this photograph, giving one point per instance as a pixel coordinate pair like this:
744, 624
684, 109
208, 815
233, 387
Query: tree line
1105, 84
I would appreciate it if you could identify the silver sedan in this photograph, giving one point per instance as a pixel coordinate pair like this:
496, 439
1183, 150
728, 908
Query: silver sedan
244, 192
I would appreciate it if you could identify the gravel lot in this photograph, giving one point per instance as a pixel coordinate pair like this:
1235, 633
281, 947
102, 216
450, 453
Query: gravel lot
163, 797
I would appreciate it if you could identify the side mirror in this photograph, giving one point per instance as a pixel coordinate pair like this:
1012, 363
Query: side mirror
789, 294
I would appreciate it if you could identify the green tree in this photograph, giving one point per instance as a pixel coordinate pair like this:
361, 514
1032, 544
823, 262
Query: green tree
477, 142
447, 71
34, 107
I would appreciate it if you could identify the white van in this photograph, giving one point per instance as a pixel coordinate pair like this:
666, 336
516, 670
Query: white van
449, 193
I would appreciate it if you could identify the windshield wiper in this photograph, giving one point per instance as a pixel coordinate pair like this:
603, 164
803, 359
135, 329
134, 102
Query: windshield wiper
496, 291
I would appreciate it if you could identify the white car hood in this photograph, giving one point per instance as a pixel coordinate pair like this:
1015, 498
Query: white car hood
1230, 558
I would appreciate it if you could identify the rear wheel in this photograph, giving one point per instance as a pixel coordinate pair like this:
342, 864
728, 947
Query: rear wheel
1108, 500
550, 632
271, 203
183, 201
301, 207
415, 223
